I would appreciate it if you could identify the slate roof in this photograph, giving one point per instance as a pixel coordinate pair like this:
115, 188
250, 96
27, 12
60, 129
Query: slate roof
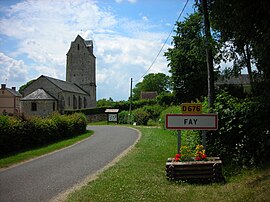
14, 92
149, 95
241, 79
65, 85
38, 94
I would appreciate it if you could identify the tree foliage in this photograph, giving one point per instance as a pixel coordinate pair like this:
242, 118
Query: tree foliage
25, 86
187, 60
152, 82
246, 24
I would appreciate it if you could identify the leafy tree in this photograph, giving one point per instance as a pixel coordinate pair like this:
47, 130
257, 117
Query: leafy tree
245, 23
25, 86
103, 102
187, 60
152, 82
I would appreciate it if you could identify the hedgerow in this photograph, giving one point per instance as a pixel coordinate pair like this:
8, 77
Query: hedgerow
17, 134
243, 137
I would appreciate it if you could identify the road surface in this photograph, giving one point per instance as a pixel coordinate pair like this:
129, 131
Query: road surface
44, 178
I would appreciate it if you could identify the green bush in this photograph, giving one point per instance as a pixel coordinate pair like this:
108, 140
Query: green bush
154, 111
165, 99
243, 137
124, 117
140, 116
17, 134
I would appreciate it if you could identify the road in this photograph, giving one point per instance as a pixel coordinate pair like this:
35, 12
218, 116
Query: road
44, 178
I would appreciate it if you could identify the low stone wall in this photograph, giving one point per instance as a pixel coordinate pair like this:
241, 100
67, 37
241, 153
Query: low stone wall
96, 117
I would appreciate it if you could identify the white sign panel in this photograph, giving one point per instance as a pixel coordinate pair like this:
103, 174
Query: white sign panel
113, 117
192, 121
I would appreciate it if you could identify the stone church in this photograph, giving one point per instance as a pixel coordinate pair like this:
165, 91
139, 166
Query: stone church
46, 95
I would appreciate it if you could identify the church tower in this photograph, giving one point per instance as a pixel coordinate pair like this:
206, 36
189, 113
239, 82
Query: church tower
81, 67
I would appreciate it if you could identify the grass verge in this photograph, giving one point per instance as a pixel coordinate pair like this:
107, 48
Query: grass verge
140, 176
24, 156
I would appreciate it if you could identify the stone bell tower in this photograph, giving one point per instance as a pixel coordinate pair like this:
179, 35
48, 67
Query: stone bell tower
81, 66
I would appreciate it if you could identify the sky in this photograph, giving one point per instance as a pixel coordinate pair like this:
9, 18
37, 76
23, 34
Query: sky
35, 36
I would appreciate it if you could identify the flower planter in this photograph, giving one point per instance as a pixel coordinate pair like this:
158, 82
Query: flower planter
195, 171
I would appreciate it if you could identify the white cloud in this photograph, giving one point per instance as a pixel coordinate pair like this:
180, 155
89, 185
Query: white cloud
11, 70
43, 31
130, 1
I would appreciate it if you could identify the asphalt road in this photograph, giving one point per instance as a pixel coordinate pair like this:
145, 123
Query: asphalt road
44, 178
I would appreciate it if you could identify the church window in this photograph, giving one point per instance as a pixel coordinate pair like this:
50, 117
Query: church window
80, 102
68, 100
74, 102
53, 106
33, 106
84, 102
78, 47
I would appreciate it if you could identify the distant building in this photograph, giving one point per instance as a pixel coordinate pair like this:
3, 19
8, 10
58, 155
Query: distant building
149, 95
241, 80
46, 94
9, 101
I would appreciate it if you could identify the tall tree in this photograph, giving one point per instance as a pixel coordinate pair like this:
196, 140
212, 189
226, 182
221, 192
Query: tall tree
246, 24
152, 82
187, 60
209, 54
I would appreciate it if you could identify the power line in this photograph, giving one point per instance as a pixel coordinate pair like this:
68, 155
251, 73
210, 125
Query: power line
163, 44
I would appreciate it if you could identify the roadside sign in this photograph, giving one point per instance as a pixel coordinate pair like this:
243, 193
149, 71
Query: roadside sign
192, 121
191, 108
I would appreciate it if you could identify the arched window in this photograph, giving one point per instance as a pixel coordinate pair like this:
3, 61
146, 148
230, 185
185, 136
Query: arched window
84, 102
74, 102
80, 102
78, 47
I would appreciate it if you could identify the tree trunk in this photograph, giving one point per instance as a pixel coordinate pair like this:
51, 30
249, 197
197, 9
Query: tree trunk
209, 55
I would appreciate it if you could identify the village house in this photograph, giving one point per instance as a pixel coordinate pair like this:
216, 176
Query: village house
9, 101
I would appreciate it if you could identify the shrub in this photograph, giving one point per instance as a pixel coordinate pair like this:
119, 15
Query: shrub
140, 116
124, 117
243, 136
16, 134
154, 111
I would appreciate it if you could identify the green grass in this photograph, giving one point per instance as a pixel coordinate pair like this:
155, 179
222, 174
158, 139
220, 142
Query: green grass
140, 176
20, 157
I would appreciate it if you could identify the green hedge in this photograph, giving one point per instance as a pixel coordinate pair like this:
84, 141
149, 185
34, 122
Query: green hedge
243, 137
17, 134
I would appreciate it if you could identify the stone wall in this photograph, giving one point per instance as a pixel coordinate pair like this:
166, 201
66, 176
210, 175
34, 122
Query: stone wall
96, 117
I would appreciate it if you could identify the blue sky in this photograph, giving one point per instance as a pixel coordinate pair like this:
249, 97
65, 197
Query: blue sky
35, 36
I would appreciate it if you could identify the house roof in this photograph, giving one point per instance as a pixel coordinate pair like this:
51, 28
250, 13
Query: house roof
14, 92
65, 85
111, 110
149, 95
241, 79
38, 94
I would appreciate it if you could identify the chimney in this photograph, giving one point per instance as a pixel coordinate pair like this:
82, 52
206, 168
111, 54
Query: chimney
3, 86
13, 88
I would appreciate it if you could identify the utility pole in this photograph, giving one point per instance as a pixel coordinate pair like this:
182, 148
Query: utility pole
209, 55
130, 99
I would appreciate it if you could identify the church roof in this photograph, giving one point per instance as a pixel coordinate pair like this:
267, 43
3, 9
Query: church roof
38, 94
65, 85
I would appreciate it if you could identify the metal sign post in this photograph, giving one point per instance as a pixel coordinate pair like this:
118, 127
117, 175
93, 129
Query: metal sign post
178, 141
